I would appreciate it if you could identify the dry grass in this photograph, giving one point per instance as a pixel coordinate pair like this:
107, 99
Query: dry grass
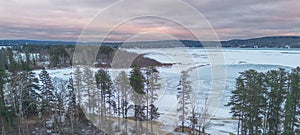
131, 123
187, 130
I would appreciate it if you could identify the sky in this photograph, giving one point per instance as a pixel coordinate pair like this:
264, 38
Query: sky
114, 20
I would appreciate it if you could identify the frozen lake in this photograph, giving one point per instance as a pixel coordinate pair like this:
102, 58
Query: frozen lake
207, 68
212, 73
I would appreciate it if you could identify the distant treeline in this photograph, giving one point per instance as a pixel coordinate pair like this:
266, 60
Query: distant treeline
269, 42
40, 56
264, 42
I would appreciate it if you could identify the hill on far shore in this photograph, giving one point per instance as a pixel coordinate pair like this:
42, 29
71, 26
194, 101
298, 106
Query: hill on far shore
263, 42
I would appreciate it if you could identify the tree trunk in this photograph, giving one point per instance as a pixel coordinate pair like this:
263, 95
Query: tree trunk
126, 125
182, 122
147, 112
151, 127
239, 122
3, 128
182, 126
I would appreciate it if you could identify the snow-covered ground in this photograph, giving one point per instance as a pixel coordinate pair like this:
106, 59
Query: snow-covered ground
3, 46
212, 73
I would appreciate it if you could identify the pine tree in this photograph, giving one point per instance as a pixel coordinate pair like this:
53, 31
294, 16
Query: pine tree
277, 88
255, 99
13, 65
123, 91
3, 77
248, 101
137, 81
28, 63
292, 106
3, 58
47, 90
105, 92
25, 97
123, 88
78, 86
184, 96
60, 95
89, 88
237, 103
105, 96
289, 115
152, 86
34, 61
72, 111
5, 118
22, 64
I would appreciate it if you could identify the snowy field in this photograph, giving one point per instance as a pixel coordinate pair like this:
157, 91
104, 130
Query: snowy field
206, 68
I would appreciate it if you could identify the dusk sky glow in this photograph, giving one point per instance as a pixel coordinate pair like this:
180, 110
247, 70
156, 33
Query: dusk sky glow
64, 20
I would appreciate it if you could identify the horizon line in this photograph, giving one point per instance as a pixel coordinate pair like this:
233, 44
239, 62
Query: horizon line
45, 40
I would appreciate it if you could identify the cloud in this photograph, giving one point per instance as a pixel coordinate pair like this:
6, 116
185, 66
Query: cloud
252, 18
66, 19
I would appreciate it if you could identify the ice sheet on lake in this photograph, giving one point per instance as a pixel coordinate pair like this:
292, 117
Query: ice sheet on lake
236, 60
